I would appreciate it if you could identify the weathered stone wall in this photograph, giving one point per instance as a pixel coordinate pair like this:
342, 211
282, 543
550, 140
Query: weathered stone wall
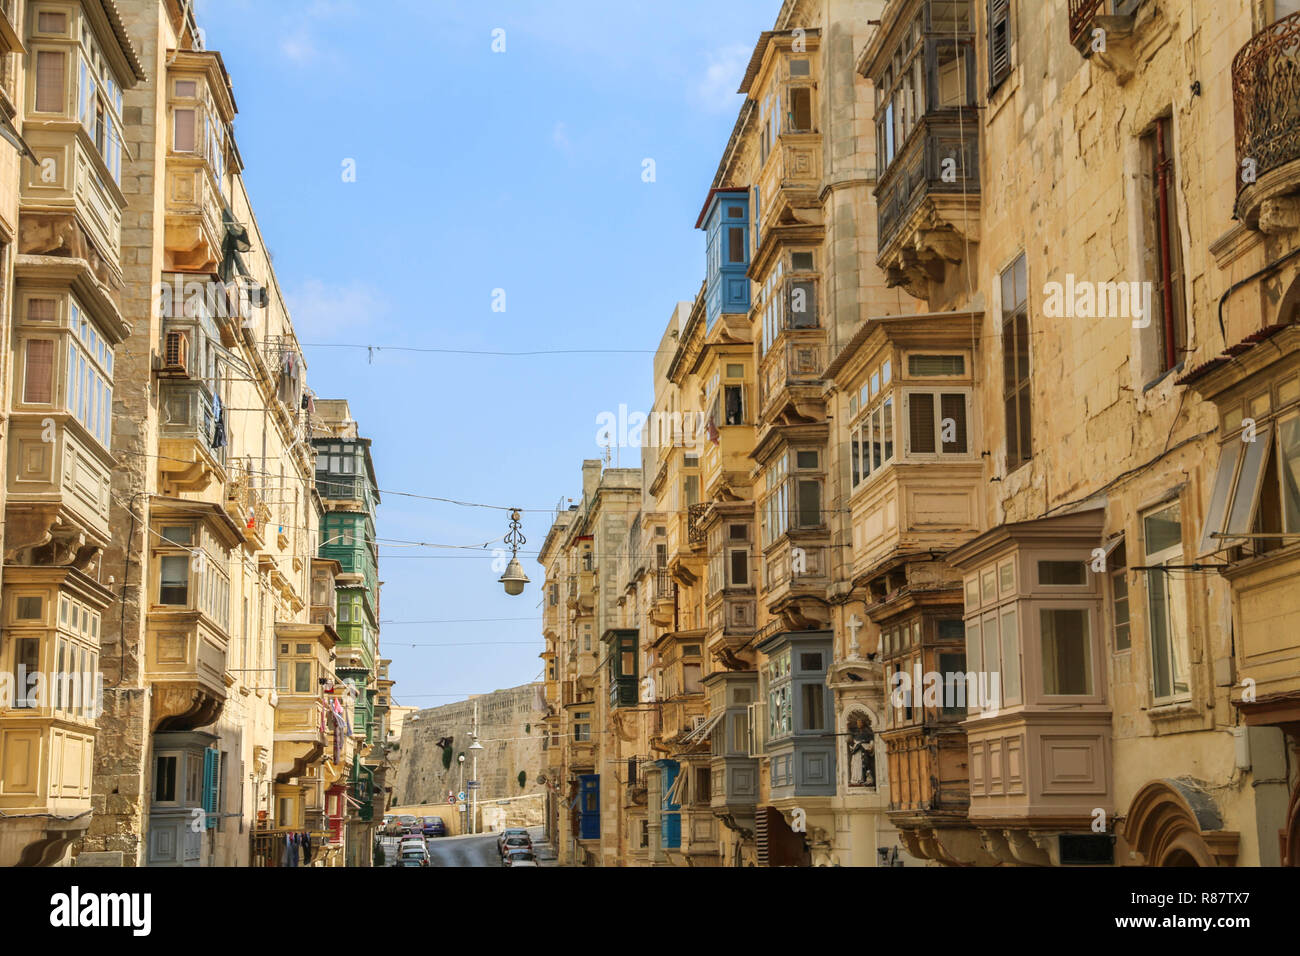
510, 731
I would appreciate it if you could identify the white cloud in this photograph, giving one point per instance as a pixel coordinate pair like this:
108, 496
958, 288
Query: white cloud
321, 310
716, 90
560, 137
298, 47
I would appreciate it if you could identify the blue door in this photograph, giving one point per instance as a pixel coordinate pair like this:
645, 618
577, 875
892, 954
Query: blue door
589, 806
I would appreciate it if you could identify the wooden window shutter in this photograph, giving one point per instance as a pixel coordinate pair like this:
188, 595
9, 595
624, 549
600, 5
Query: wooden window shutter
999, 41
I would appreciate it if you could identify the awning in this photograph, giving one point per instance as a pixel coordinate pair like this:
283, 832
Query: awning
706, 728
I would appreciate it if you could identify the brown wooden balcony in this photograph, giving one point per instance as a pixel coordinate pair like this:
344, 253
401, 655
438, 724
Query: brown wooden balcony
790, 377
1265, 93
928, 200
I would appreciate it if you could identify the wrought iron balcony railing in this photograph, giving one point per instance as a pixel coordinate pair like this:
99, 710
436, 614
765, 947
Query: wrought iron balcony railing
1266, 100
1082, 14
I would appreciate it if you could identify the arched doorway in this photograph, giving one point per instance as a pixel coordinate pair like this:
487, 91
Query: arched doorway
1176, 823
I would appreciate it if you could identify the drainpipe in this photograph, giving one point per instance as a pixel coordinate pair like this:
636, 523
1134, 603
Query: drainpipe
1166, 277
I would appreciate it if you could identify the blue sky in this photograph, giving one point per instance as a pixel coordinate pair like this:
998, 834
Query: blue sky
478, 171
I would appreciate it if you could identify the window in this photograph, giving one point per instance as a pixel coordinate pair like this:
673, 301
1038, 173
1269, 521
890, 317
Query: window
932, 365
802, 309
937, 422
738, 568
800, 119
1015, 363
38, 383
29, 608
1167, 605
1162, 263
814, 706
999, 42
810, 503
734, 404
51, 72
1067, 664
184, 138
52, 23
1119, 602
1062, 573
872, 441
164, 778
582, 726
302, 677
27, 662
182, 535
174, 580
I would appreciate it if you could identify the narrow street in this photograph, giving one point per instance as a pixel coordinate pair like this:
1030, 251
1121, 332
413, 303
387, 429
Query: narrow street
474, 850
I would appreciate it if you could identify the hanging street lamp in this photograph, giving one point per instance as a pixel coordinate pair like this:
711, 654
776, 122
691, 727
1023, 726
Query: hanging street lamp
514, 578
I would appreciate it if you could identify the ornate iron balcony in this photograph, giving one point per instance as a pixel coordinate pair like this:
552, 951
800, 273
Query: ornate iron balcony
1266, 100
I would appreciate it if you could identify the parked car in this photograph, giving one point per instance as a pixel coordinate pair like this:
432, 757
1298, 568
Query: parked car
433, 826
392, 826
388, 818
411, 851
507, 833
409, 823
516, 843
520, 858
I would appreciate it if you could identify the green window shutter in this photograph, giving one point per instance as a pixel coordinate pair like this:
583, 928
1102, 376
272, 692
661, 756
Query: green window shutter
210, 758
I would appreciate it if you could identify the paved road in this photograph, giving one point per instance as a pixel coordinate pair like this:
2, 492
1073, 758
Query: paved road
477, 850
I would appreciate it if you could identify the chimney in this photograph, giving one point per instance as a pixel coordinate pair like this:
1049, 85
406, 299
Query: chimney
590, 477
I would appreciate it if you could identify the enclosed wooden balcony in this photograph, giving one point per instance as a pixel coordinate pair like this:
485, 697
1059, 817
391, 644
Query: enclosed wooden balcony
916, 507
789, 378
1265, 90
246, 506
192, 438
790, 176
733, 763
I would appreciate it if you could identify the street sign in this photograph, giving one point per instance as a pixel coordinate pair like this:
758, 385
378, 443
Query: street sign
461, 796
473, 784
450, 799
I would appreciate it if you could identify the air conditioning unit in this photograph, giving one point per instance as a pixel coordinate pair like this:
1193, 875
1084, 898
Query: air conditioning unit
176, 354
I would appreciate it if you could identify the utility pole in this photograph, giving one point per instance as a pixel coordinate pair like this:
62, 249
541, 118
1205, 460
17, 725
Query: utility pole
473, 818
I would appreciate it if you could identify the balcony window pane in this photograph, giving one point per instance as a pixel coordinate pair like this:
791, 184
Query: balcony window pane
1010, 658
735, 244
887, 426
1288, 434
174, 580
27, 658
38, 386
814, 707
1062, 573
877, 433
801, 109
810, 504
1119, 605
992, 655
920, 419
739, 568
974, 646
302, 677
164, 779
184, 141
1067, 658
952, 410
51, 69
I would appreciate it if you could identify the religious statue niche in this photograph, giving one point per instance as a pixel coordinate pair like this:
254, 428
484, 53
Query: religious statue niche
862, 751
